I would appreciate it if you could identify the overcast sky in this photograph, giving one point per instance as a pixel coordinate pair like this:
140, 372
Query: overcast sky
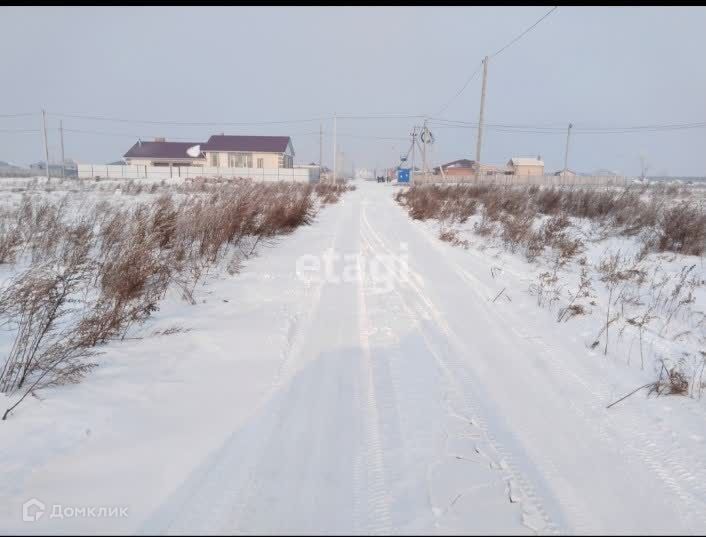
593, 66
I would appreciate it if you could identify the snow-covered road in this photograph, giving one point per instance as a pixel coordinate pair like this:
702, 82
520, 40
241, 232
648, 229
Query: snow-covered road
428, 407
418, 405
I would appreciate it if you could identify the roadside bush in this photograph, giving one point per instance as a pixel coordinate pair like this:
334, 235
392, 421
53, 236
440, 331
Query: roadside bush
89, 281
682, 229
663, 227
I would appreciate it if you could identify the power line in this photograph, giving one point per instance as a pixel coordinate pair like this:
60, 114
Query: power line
128, 135
477, 70
19, 130
463, 123
443, 123
557, 132
368, 137
181, 123
22, 114
525, 32
124, 134
230, 123
383, 116
635, 131
459, 92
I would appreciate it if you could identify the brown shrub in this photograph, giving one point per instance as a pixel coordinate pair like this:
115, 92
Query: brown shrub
451, 236
682, 229
109, 269
674, 382
516, 229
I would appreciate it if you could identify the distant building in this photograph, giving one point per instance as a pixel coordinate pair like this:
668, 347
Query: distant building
605, 172
315, 171
468, 167
565, 173
11, 170
163, 153
309, 166
249, 151
70, 168
364, 174
462, 166
522, 166
221, 150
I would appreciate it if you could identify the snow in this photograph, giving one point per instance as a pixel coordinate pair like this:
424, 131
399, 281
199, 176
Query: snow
402, 400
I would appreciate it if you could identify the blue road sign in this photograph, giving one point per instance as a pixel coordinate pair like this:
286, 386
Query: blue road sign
403, 175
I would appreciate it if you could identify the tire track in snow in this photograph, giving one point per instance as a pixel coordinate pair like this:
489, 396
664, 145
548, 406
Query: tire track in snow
635, 443
534, 515
298, 333
299, 329
647, 447
379, 521
198, 505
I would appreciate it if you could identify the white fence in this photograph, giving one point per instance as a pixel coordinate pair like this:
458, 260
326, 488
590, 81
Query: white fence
101, 171
548, 180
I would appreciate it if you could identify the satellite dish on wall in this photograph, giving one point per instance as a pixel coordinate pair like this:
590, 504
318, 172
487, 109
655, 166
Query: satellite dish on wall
194, 151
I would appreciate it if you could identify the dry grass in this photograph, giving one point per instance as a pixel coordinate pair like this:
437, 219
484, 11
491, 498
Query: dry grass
94, 275
682, 229
670, 382
662, 225
638, 294
329, 193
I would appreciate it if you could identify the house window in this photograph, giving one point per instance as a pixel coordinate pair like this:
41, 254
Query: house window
214, 159
285, 161
240, 160
261, 163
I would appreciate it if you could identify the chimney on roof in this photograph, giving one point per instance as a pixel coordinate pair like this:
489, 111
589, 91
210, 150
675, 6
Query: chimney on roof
159, 139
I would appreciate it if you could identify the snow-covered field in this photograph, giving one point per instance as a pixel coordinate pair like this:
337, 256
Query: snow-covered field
608, 280
363, 376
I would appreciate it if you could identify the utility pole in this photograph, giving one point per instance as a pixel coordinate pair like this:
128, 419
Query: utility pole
46, 143
566, 153
321, 147
414, 138
61, 136
424, 151
335, 149
479, 141
643, 167
425, 138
